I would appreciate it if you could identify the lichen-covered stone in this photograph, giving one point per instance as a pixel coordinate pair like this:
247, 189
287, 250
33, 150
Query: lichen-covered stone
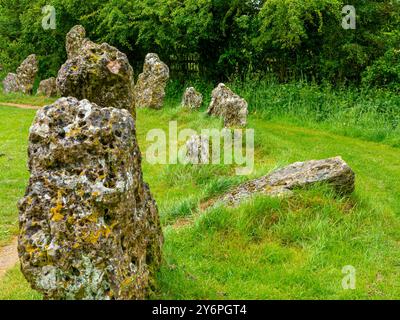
48, 87
100, 73
10, 83
24, 78
150, 87
89, 227
74, 41
333, 171
26, 74
229, 106
192, 99
198, 149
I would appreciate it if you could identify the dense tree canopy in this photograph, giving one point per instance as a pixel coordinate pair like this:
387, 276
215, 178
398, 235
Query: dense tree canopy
224, 38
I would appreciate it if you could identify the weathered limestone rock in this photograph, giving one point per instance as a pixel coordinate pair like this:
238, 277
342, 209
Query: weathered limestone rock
48, 87
10, 83
150, 87
333, 171
192, 99
89, 227
74, 41
198, 149
26, 74
100, 73
229, 106
23, 80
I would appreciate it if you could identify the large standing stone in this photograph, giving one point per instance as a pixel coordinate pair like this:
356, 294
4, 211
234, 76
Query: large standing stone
89, 227
26, 74
229, 106
10, 83
334, 172
74, 41
150, 87
48, 87
192, 99
100, 73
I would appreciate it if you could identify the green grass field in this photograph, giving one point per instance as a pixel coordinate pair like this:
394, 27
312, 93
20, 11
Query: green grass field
267, 248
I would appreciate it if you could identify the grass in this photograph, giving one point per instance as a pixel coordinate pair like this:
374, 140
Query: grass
14, 126
368, 114
266, 248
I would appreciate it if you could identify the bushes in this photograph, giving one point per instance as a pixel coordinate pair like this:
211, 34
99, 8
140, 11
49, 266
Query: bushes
385, 71
223, 38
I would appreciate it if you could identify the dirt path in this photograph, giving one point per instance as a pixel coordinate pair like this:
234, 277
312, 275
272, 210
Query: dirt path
21, 106
8, 256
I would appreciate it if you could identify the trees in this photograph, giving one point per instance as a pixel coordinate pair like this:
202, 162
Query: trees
290, 38
306, 38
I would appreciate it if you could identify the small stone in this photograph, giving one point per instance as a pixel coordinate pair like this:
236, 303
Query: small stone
299, 175
10, 83
229, 106
198, 149
48, 87
89, 226
150, 87
97, 72
26, 74
192, 99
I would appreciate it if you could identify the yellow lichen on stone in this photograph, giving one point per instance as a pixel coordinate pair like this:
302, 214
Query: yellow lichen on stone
73, 132
56, 215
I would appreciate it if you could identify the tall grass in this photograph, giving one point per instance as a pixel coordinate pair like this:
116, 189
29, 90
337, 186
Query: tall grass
368, 114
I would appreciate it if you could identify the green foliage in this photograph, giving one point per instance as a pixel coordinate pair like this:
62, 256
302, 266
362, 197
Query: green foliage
385, 72
223, 39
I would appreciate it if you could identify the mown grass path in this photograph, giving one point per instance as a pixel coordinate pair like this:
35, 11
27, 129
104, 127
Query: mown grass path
21, 106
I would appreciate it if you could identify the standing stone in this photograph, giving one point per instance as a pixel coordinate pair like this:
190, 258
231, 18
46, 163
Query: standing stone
192, 99
150, 87
74, 41
299, 175
229, 106
26, 74
10, 83
100, 73
89, 227
198, 149
24, 78
48, 87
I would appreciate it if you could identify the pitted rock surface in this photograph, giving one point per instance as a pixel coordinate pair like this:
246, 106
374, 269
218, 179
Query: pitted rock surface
26, 74
74, 41
48, 87
99, 73
192, 99
24, 78
333, 171
10, 83
229, 106
89, 227
150, 87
